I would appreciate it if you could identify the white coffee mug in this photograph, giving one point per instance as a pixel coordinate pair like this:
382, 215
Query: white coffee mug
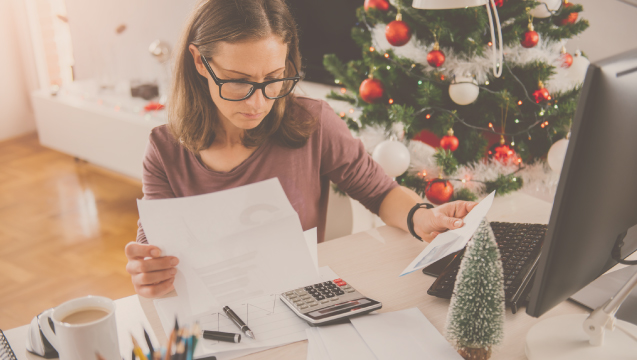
82, 341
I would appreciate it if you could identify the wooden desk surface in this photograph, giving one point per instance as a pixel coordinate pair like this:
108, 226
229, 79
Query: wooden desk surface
372, 260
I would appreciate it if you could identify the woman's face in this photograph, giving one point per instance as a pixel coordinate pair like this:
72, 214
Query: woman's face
255, 60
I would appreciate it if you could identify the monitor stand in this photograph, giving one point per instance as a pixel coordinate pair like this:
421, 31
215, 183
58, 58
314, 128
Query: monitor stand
599, 335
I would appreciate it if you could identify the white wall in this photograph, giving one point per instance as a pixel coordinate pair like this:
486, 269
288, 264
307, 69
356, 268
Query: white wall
101, 53
16, 116
613, 29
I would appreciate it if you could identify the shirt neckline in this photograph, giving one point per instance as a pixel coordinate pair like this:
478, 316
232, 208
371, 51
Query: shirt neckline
237, 168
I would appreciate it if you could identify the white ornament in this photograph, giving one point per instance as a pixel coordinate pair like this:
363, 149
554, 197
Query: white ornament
556, 155
577, 71
392, 156
545, 8
464, 90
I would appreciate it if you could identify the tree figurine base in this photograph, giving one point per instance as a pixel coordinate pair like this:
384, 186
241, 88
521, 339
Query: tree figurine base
475, 353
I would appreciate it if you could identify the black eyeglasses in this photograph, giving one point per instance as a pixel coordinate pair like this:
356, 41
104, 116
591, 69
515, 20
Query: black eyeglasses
237, 90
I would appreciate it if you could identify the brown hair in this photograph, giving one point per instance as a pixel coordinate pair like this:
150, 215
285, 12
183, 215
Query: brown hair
192, 114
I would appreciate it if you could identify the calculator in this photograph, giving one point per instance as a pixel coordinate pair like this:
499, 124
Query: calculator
328, 302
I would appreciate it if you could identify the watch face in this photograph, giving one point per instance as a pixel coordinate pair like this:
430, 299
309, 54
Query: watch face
342, 308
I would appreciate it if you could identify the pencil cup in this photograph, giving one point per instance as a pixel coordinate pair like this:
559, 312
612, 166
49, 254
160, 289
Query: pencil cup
84, 327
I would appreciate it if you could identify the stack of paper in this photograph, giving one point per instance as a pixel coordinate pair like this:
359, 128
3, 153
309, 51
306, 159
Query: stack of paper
405, 334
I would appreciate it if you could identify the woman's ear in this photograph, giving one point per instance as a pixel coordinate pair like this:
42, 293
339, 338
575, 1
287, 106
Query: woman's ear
201, 69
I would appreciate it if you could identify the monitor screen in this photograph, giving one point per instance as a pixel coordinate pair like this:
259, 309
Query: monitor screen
596, 199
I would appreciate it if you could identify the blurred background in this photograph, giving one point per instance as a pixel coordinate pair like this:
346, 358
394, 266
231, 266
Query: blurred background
83, 82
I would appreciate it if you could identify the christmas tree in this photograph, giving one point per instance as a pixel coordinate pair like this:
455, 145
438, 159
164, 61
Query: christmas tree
475, 321
432, 71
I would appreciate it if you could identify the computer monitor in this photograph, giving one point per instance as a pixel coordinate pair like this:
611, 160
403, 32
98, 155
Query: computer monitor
596, 199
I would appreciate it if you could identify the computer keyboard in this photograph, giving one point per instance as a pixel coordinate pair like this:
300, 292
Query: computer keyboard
520, 246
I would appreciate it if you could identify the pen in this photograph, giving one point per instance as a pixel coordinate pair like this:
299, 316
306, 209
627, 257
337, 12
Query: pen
237, 320
221, 336
150, 345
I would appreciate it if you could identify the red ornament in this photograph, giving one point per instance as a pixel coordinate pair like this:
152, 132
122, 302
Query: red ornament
153, 106
530, 38
502, 152
398, 32
439, 191
571, 18
382, 5
567, 59
541, 94
449, 142
371, 90
499, 3
436, 57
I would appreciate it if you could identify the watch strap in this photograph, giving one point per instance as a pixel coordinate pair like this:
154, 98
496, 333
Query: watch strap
410, 218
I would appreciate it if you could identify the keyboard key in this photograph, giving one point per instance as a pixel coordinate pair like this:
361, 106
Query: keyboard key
320, 297
330, 295
308, 288
334, 298
339, 292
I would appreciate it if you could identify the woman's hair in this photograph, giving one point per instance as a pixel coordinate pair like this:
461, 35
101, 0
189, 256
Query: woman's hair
193, 117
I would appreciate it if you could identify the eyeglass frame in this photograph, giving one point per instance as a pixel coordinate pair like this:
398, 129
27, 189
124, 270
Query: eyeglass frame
255, 85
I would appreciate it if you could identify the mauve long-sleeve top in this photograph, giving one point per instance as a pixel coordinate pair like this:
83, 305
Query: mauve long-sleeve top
330, 154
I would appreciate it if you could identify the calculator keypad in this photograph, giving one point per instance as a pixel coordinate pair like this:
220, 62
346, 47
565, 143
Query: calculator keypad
310, 297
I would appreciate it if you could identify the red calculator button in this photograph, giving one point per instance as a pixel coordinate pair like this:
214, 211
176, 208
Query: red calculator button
338, 280
342, 283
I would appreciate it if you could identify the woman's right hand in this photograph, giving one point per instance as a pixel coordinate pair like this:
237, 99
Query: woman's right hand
152, 274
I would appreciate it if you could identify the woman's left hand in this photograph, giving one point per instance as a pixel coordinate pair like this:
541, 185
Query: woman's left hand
429, 223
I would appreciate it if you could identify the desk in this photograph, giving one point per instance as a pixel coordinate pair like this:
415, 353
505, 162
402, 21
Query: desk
371, 261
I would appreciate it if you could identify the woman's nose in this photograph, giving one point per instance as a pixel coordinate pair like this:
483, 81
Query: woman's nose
257, 100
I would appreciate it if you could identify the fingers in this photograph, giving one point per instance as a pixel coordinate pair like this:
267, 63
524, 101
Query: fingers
155, 277
448, 222
142, 266
134, 250
462, 208
156, 290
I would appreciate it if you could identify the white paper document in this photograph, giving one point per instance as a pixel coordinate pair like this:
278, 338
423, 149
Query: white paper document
405, 334
232, 245
343, 342
272, 322
453, 240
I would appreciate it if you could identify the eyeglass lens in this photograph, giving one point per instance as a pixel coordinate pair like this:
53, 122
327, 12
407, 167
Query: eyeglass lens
237, 91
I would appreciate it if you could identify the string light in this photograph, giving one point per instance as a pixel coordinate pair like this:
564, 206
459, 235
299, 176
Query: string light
542, 126
413, 66
386, 55
428, 116
442, 77
520, 102
391, 101
490, 43
555, 106
486, 82
517, 121
388, 67
371, 49
337, 81
419, 82
542, 113
491, 125
343, 90
351, 111
546, 123
342, 114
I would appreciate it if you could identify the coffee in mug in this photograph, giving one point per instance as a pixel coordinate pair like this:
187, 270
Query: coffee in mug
83, 316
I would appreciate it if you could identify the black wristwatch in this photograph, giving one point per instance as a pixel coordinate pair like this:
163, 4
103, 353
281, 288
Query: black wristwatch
410, 218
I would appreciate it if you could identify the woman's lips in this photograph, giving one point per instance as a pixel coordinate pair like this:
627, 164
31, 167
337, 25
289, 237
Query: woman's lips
252, 116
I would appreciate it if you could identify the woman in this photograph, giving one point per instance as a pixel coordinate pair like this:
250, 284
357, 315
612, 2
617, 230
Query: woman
233, 120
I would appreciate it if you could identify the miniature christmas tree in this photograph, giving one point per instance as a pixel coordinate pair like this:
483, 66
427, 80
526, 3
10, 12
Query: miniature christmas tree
475, 322
430, 71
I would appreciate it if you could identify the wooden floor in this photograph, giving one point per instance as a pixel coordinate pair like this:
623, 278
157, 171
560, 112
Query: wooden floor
63, 228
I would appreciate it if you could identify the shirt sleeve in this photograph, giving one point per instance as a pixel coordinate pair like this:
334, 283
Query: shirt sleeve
155, 183
346, 163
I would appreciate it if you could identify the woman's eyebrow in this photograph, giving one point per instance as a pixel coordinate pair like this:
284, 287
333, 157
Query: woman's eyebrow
247, 75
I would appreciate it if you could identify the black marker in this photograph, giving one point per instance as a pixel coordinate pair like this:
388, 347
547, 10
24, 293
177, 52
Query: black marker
237, 320
221, 336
